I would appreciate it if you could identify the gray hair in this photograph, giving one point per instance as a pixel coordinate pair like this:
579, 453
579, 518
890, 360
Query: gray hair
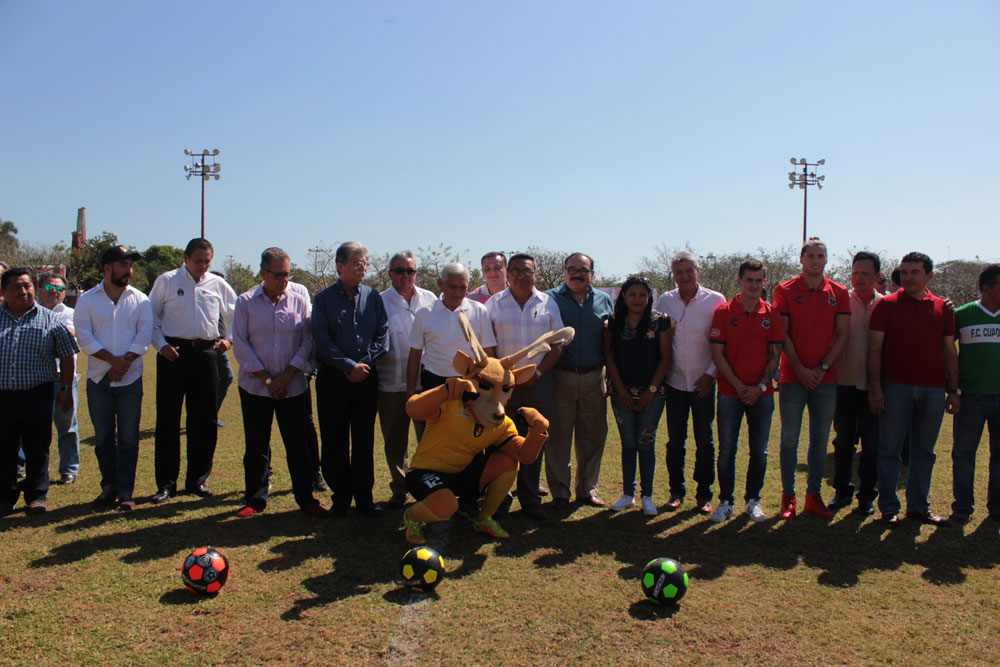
454, 269
402, 255
272, 255
685, 256
348, 250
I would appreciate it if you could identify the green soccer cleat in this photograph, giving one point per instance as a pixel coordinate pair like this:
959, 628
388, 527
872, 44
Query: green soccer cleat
490, 526
414, 529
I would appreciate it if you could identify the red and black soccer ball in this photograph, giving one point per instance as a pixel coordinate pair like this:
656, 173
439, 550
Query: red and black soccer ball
205, 570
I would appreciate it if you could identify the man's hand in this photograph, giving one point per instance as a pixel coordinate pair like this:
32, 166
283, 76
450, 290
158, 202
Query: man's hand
120, 364
169, 352
65, 400
359, 373
114, 375
949, 304
876, 400
811, 377
750, 394
703, 385
953, 404
221, 345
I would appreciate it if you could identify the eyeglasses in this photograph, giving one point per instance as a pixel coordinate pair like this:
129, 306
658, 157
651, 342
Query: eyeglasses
400, 271
280, 275
54, 288
577, 271
517, 273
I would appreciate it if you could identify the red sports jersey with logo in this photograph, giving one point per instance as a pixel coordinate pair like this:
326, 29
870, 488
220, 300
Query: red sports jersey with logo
748, 338
812, 315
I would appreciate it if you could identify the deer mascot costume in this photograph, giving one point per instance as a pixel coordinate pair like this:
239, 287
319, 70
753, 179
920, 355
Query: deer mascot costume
470, 445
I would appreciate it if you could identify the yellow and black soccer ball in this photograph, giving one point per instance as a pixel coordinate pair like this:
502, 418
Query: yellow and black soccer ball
421, 569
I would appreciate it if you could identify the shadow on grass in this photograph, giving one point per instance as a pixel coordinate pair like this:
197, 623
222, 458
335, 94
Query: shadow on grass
182, 596
644, 610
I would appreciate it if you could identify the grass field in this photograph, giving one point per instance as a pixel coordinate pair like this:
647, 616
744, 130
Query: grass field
86, 587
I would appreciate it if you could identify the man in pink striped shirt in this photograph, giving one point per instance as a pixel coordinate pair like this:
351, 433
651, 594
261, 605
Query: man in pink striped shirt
272, 340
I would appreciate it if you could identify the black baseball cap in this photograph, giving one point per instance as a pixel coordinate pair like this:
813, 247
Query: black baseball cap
118, 253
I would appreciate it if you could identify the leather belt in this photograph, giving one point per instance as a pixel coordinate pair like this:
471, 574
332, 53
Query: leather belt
580, 370
193, 343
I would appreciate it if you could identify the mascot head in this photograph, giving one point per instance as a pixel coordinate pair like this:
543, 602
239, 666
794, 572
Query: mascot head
495, 379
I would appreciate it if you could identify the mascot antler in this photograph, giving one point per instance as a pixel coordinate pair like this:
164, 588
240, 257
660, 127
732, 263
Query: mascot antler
541, 346
478, 353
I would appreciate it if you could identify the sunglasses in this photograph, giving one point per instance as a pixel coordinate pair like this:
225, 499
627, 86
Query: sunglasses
637, 279
400, 271
517, 273
54, 288
280, 275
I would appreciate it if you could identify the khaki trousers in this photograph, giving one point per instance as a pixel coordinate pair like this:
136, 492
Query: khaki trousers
395, 425
578, 406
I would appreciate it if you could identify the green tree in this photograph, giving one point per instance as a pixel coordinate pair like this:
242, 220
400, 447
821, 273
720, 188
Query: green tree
156, 259
8, 236
84, 269
241, 277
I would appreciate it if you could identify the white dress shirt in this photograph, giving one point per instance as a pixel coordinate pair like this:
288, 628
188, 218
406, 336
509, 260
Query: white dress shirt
436, 331
299, 288
392, 366
692, 350
118, 328
65, 315
516, 328
852, 365
183, 308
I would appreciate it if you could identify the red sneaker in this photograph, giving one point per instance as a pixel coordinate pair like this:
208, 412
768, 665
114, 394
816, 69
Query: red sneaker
815, 505
787, 506
315, 510
246, 512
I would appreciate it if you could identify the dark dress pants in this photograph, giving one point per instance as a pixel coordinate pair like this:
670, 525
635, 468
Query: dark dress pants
538, 397
853, 419
259, 413
192, 377
347, 426
27, 422
702, 410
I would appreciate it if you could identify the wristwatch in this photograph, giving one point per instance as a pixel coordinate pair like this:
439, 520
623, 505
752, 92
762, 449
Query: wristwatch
825, 366
653, 388
957, 392
538, 373
65, 388
763, 386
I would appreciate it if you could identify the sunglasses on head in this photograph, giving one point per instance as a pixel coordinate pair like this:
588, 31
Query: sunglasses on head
637, 279
54, 288
400, 271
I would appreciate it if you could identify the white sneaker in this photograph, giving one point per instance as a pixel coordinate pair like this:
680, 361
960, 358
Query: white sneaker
754, 511
623, 503
648, 508
722, 512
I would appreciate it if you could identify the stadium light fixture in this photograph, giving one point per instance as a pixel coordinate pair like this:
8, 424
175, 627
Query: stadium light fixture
804, 179
200, 167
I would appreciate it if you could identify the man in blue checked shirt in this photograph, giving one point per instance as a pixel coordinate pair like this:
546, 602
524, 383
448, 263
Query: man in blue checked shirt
31, 339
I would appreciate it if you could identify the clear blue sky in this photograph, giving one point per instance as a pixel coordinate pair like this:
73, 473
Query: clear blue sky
608, 127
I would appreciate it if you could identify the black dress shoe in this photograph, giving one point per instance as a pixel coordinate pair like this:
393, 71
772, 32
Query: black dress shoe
164, 494
370, 510
319, 484
106, 499
535, 512
838, 501
865, 508
397, 502
338, 511
201, 490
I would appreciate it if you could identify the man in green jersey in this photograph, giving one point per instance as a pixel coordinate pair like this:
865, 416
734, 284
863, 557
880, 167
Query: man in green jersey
977, 328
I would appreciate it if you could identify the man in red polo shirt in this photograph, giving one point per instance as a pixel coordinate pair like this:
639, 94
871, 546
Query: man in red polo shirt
746, 340
911, 360
816, 315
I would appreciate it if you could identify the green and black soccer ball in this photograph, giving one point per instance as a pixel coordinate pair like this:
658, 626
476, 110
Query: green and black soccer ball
422, 569
664, 581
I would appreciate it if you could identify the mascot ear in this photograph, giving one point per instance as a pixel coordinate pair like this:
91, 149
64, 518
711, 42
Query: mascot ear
463, 364
523, 374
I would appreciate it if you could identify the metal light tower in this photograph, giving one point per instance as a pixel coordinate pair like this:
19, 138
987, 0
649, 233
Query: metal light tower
200, 167
804, 180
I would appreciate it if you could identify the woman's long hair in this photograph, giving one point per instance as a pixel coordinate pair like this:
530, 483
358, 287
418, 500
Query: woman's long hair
621, 310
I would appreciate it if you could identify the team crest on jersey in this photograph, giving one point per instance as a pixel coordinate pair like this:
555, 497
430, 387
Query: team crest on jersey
735, 322
797, 299
477, 430
832, 301
766, 324
714, 333
180, 291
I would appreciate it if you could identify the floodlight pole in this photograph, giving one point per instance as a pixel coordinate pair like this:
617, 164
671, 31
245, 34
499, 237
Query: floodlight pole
199, 167
804, 180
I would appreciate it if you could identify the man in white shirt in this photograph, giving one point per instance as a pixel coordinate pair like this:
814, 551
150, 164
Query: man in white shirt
690, 380
52, 294
519, 315
436, 334
401, 301
114, 325
187, 304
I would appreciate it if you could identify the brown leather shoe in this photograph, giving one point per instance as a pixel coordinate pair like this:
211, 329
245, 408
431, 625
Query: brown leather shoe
927, 516
705, 507
593, 501
674, 504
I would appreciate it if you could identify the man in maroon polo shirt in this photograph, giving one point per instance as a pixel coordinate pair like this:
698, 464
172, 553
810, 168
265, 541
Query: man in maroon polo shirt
746, 341
815, 312
911, 362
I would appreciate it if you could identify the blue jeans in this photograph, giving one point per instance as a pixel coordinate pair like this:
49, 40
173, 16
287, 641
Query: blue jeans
679, 403
976, 410
115, 412
792, 401
730, 416
225, 379
638, 435
920, 409
68, 431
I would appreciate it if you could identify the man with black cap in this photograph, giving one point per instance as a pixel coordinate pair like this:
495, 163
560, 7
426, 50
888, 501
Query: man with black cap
114, 326
187, 304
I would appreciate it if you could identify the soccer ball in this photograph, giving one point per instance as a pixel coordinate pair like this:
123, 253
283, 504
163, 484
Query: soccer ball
664, 581
421, 569
205, 570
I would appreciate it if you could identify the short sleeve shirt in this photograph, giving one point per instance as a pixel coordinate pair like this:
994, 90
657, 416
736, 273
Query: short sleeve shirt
748, 338
29, 347
452, 439
812, 316
638, 356
912, 351
978, 333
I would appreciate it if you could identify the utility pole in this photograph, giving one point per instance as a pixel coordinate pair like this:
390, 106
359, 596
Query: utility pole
804, 180
200, 167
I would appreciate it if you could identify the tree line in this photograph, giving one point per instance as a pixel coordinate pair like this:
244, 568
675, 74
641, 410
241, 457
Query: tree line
956, 279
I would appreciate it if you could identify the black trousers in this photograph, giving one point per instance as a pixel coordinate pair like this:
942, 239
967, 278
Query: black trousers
853, 419
312, 438
26, 421
347, 426
192, 378
259, 413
